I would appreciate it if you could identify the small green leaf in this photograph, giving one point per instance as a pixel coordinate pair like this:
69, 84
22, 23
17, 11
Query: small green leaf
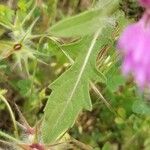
140, 107
6, 16
22, 4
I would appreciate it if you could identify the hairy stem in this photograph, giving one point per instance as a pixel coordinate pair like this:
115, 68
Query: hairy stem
11, 114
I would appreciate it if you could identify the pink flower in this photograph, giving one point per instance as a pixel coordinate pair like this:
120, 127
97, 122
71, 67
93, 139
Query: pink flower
145, 3
134, 43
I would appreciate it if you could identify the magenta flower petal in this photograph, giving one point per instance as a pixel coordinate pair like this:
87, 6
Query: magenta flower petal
127, 64
134, 43
129, 38
145, 3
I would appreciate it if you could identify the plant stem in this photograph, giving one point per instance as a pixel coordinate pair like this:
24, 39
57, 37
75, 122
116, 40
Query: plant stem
11, 114
2, 134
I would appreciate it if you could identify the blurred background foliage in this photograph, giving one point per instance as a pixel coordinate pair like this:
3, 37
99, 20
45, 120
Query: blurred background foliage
123, 125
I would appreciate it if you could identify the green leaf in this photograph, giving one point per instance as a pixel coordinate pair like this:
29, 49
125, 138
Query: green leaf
85, 23
22, 4
140, 107
6, 16
71, 93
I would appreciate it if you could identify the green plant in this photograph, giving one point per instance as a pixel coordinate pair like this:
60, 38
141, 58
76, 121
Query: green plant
64, 74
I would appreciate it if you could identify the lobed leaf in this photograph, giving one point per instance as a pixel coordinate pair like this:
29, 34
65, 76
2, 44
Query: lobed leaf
73, 86
70, 92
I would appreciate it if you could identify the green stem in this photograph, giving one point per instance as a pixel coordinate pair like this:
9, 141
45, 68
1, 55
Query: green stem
11, 114
2, 134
